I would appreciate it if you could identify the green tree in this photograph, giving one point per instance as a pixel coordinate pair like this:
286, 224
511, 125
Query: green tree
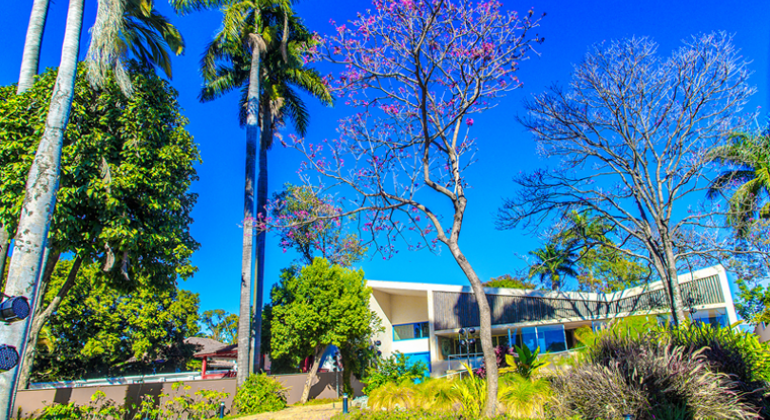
100, 327
124, 200
507, 281
552, 264
319, 305
746, 181
220, 325
324, 236
601, 265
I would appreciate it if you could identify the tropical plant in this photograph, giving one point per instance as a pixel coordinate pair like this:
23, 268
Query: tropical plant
747, 179
508, 281
553, 263
526, 363
260, 394
470, 392
524, 397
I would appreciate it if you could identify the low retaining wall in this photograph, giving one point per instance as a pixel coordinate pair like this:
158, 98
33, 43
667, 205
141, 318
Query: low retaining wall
31, 400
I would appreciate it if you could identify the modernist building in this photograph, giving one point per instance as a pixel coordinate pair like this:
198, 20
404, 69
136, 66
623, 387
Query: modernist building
423, 320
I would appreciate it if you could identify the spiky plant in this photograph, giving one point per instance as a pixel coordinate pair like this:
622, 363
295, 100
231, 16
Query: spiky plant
392, 396
523, 397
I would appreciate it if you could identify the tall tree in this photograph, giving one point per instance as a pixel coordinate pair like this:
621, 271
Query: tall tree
416, 72
552, 264
323, 237
40, 196
31, 57
267, 68
632, 131
127, 166
317, 306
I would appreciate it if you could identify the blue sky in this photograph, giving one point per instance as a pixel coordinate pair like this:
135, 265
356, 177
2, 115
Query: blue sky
569, 28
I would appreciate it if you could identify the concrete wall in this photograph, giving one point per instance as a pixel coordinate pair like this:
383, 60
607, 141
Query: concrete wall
763, 331
408, 309
379, 302
29, 401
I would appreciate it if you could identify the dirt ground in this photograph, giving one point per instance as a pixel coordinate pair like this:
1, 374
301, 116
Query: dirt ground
313, 412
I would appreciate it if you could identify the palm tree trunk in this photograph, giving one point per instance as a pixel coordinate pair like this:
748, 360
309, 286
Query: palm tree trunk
267, 132
31, 57
4, 242
41, 317
247, 267
40, 197
319, 352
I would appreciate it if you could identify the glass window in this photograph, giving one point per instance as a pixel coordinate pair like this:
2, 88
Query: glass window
551, 338
713, 317
410, 331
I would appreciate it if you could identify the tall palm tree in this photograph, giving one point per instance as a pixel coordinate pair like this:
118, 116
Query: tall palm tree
31, 57
229, 64
749, 180
553, 263
40, 196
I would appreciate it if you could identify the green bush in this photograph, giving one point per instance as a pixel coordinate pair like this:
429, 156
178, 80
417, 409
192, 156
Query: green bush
260, 394
100, 408
394, 369
644, 374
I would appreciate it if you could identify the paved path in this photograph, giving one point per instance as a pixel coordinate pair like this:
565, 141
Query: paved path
312, 412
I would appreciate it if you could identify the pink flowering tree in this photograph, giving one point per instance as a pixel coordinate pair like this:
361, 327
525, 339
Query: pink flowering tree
416, 72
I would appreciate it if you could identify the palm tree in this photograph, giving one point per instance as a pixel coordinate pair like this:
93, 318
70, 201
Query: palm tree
749, 180
553, 263
40, 195
31, 56
42, 181
268, 99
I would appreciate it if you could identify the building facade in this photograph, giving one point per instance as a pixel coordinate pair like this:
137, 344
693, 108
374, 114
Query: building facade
424, 321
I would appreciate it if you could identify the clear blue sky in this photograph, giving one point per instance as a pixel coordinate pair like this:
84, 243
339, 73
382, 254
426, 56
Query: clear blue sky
569, 28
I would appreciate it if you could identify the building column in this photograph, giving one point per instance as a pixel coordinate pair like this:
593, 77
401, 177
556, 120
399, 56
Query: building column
729, 304
203, 368
433, 346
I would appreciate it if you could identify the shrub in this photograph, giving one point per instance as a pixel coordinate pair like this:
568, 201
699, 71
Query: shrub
524, 397
394, 369
203, 404
644, 374
738, 354
100, 408
259, 394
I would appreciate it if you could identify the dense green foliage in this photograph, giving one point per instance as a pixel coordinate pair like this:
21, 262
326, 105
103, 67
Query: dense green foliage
319, 305
220, 326
127, 165
395, 369
100, 330
506, 281
259, 394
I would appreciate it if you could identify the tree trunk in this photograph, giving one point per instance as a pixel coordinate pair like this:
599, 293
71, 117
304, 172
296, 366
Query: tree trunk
319, 352
247, 267
41, 318
485, 333
4, 242
40, 197
266, 133
31, 57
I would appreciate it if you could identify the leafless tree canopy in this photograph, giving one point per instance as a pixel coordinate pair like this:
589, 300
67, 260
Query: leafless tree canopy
632, 133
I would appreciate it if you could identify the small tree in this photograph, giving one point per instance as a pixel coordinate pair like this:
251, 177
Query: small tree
633, 132
319, 305
417, 71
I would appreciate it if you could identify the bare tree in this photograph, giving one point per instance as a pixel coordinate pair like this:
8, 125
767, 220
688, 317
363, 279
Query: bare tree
632, 132
416, 72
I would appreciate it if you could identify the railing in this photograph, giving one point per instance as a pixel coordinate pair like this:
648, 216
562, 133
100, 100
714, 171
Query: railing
475, 359
126, 380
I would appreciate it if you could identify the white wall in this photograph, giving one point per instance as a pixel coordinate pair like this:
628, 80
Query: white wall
379, 302
408, 309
